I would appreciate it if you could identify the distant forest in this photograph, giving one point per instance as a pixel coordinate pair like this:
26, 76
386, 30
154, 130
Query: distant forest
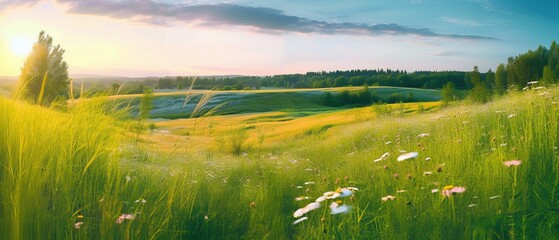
541, 64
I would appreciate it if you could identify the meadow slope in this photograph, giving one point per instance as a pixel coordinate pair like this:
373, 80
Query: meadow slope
63, 169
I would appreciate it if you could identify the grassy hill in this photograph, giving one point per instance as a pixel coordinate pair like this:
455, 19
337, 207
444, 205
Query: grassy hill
171, 105
182, 180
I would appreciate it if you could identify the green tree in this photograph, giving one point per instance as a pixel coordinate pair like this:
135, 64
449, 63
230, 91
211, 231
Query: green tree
480, 93
475, 76
114, 88
146, 104
548, 77
44, 75
490, 78
448, 92
501, 79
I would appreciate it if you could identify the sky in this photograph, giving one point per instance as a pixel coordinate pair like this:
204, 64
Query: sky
138, 38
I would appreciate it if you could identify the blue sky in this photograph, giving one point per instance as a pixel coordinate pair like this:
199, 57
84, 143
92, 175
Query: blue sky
145, 37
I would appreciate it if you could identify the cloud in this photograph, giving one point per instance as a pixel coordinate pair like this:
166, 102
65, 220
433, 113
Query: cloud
228, 15
448, 53
461, 21
7, 4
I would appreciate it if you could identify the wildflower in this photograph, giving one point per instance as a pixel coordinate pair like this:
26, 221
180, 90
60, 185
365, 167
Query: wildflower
383, 157
423, 135
472, 205
301, 198
128, 178
401, 191
336, 209
309, 183
123, 217
512, 163
301, 211
252, 204
79, 216
511, 115
141, 200
427, 173
206, 218
321, 199
300, 220
494, 197
407, 156
388, 143
389, 197
78, 225
396, 176
427, 159
344, 192
449, 190
299, 187
434, 190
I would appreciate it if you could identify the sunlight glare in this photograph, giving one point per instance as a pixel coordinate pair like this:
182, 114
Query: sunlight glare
21, 46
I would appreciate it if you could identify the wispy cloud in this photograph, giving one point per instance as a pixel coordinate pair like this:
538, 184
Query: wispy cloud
7, 4
448, 53
228, 15
461, 21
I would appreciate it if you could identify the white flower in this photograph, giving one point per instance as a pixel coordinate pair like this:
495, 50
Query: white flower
389, 197
407, 156
423, 135
301, 211
300, 220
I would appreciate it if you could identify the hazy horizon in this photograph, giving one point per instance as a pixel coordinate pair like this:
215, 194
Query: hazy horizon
188, 38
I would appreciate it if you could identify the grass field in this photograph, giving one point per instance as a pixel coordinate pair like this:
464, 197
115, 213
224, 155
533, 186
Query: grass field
171, 105
82, 174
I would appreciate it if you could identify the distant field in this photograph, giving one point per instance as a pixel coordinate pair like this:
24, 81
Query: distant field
182, 135
171, 105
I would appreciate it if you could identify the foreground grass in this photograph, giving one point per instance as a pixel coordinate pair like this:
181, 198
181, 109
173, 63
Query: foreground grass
208, 194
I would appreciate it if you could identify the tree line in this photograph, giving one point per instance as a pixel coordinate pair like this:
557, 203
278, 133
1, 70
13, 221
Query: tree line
44, 78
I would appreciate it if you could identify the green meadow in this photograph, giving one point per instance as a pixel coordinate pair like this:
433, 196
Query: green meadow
86, 171
181, 104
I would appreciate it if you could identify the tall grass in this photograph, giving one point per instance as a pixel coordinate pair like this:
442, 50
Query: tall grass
57, 167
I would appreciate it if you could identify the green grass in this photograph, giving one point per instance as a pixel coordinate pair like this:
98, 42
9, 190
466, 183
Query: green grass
56, 166
171, 105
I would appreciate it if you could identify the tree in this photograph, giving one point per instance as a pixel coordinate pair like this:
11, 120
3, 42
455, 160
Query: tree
500, 79
448, 93
548, 77
480, 93
44, 75
114, 88
146, 104
475, 77
490, 78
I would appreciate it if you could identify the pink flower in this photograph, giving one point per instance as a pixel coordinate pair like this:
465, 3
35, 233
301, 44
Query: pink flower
450, 190
389, 197
122, 217
512, 163
78, 225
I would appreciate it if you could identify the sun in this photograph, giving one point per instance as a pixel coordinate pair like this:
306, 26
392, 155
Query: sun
21, 46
